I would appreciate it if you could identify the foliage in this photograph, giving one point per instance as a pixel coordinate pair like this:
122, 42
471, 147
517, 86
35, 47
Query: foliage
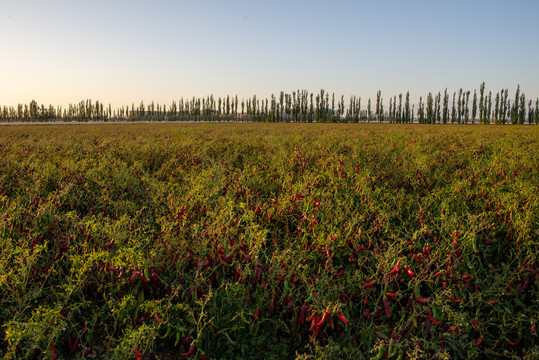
275, 241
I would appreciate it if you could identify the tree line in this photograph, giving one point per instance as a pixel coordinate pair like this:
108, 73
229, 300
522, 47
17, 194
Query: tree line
300, 106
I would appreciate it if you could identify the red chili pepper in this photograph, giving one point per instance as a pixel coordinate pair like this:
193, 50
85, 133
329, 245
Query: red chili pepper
386, 306
69, 340
395, 268
301, 317
314, 320
479, 341
422, 300
53, 351
189, 352
74, 347
368, 283
315, 334
138, 354
432, 318
86, 353
512, 343
409, 271
341, 316
533, 329
323, 320
366, 313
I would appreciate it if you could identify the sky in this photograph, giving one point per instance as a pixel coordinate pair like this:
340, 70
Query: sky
121, 52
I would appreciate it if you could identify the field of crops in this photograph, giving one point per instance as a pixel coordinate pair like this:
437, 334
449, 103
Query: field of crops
275, 241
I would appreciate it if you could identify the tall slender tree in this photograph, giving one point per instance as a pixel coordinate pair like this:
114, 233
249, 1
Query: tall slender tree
453, 110
420, 111
407, 108
446, 107
522, 109
474, 106
515, 107
489, 108
430, 110
481, 103
378, 96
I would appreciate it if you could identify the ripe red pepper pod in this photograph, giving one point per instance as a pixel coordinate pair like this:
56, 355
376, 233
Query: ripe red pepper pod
189, 352
395, 268
138, 354
343, 318
53, 351
386, 307
368, 283
432, 318
323, 320
409, 271
422, 300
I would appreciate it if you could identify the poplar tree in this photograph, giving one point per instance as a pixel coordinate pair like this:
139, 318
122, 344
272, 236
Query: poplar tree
474, 106
429, 108
438, 108
311, 109
466, 107
395, 108
446, 107
497, 109
505, 106
378, 95
481, 103
390, 110
435, 110
420, 111
515, 107
453, 109
399, 114
407, 108
522, 111
489, 108
459, 107
235, 107
369, 111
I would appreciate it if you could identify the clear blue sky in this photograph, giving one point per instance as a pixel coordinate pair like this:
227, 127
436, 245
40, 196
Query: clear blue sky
120, 52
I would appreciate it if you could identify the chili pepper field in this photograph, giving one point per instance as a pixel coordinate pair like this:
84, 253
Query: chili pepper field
269, 241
